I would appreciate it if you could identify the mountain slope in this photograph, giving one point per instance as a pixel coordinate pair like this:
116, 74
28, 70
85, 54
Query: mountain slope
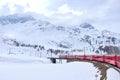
27, 35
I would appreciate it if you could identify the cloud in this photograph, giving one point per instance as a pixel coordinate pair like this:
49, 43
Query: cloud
9, 8
65, 9
37, 6
102, 13
107, 16
65, 15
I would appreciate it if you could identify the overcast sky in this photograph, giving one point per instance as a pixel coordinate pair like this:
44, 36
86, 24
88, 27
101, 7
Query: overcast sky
104, 14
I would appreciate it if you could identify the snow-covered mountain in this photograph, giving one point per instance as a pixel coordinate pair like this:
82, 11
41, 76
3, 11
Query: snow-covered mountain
13, 19
23, 34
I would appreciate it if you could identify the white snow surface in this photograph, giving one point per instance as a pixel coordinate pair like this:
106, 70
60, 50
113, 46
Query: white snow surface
26, 63
14, 67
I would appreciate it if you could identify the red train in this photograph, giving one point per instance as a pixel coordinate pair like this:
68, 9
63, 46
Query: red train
109, 59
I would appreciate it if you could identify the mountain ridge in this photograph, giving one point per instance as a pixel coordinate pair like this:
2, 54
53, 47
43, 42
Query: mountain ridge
34, 32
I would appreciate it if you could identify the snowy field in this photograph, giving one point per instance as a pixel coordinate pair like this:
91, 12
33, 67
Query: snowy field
31, 68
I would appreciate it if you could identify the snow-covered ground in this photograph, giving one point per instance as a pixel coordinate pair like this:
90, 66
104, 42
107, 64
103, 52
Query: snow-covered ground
25, 44
23, 59
14, 67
